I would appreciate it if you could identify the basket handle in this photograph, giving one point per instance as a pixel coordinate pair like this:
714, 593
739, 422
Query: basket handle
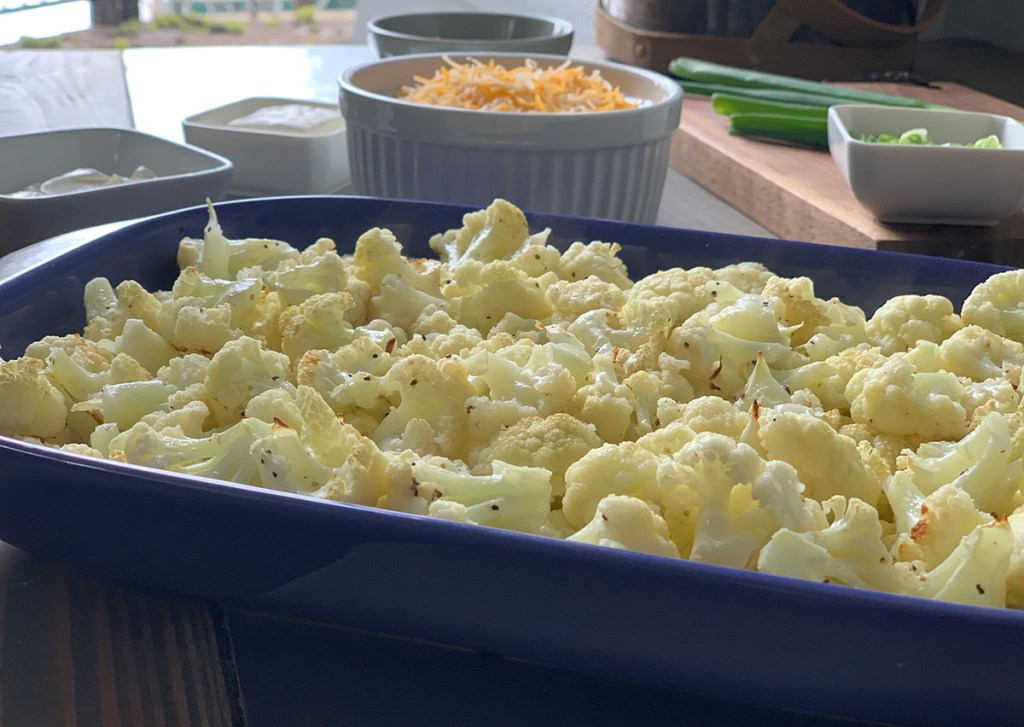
839, 22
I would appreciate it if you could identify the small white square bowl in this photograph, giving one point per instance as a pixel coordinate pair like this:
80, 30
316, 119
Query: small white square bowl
274, 160
186, 176
930, 184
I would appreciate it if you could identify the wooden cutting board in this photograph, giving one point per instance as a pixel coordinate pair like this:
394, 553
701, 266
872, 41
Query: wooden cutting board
800, 194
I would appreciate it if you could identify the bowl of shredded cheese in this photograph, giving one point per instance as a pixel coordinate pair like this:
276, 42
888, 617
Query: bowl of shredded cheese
434, 32
559, 134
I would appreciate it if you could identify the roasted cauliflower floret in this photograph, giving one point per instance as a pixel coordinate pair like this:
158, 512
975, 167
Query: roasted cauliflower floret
906, 319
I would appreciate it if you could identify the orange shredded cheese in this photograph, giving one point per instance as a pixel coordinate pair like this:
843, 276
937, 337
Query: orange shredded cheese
527, 88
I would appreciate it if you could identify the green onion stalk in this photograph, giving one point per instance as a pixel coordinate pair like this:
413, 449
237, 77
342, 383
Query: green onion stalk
773, 106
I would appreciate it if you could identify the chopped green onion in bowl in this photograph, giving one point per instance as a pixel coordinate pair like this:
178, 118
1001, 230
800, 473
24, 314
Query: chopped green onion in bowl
920, 137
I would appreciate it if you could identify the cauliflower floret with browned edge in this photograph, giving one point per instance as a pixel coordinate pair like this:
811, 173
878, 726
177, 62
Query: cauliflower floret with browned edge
828, 462
30, 405
351, 380
553, 442
319, 269
357, 466
981, 464
378, 254
723, 342
1015, 575
929, 528
219, 257
571, 299
317, 323
848, 549
92, 357
495, 233
845, 329
85, 371
605, 401
107, 309
748, 277
998, 305
435, 392
537, 258
801, 310
639, 321
611, 469
895, 399
437, 335
627, 523
763, 389
596, 258
981, 398
828, 379
904, 320
481, 294
979, 354
681, 292
240, 370
193, 327
706, 414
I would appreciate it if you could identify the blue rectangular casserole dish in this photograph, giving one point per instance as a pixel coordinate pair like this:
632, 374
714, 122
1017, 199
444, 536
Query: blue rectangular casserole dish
740, 635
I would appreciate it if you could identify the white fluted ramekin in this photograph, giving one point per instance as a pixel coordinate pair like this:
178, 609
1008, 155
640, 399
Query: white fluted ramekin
608, 164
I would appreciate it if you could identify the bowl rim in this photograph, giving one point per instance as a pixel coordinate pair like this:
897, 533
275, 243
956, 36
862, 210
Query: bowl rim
195, 121
674, 93
560, 28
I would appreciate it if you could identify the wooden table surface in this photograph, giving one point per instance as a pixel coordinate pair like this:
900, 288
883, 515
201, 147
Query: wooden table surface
81, 649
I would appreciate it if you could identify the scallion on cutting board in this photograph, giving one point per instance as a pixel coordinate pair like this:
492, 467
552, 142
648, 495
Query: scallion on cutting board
763, 94
773, 106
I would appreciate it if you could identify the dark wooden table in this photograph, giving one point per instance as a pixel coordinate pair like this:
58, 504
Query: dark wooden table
82, 650
79, 649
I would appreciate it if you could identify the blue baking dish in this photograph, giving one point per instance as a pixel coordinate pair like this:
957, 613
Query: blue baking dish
736, 634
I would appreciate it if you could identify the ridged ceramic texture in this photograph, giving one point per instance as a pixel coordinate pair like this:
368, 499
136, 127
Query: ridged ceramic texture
602, 164
622, 183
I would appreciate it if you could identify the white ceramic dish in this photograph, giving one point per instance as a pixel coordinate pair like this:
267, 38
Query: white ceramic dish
184, 174
395, 35
905, 183
609, 164
275, 159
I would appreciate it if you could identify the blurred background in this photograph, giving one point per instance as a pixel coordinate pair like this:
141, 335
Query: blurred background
128, 23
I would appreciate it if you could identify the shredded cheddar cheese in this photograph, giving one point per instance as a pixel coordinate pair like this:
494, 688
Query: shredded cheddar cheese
527, 88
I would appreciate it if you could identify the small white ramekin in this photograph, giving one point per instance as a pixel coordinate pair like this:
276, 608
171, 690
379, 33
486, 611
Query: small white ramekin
930, 184
271, 161
608, 164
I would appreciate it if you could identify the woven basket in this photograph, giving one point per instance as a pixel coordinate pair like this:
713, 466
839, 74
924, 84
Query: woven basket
854, 45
